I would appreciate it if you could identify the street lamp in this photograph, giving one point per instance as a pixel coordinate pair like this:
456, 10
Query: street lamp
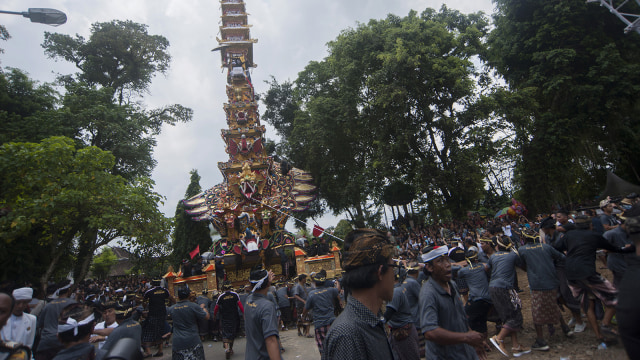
41, 15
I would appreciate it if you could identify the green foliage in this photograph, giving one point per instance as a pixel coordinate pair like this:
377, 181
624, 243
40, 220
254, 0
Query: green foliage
23, 102
187, 234
120, 55
398, 193
342, 229
54, 194
4, 35
572, 101
103, 262
396, 100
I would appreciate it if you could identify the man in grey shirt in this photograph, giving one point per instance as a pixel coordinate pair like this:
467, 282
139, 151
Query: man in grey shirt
261, 320
300, 294
443, 320
185, 314
321, 301
399, 316
49, 344
615, 261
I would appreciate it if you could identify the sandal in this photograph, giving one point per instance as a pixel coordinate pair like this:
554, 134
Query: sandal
309, 336
147, 356
158, 354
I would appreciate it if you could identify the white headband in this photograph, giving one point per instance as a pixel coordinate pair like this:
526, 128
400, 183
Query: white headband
258, 283
57, 293
73, 324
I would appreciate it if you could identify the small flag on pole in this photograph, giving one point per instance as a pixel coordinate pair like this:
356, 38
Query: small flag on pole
317, 230
195, 251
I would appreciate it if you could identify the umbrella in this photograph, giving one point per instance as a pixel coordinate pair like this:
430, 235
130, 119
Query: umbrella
502, 212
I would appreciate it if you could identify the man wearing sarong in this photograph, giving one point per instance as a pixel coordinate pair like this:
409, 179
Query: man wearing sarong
479, 304
321, 301
186, 344
153, 326
300, 294
506, 301
538, 260
228, 308
402, 335
628, 309
412, 287
586, 284
552, 236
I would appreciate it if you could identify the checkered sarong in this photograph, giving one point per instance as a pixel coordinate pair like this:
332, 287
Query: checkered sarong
321, 333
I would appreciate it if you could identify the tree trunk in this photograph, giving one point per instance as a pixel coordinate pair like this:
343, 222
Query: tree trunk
52, 265
87, 246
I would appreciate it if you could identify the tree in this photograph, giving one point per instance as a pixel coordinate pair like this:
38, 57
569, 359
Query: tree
4, 35
51, 193
23, 103
118, 61
103, 262
188, 234
571, 100
398, 99
342, 229
119, 55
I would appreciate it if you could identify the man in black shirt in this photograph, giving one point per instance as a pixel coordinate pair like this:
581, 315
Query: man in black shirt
628, 310
358, 333
586, 284
228, 309
153, 327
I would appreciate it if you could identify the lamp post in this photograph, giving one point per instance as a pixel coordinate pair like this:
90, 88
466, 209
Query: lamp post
41, 15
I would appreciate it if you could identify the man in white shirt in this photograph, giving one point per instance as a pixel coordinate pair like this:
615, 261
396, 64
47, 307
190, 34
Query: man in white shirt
21, 326
102, 330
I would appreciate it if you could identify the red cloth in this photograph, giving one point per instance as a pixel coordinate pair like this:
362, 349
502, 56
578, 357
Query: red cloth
317, 230
195, 251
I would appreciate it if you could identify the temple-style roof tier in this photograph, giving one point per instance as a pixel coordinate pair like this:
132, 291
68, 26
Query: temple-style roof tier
237, 49
234, 25
243, 31
237, 40
233, 15
232, 5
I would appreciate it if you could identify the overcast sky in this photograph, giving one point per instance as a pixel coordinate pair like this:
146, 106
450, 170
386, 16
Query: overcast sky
290, 33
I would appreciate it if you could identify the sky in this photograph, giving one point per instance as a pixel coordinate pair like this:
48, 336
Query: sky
290, 34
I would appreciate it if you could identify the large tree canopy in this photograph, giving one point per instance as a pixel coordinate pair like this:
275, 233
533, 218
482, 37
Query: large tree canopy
120, 55
51, 192
396, 99
572, 99
97, 111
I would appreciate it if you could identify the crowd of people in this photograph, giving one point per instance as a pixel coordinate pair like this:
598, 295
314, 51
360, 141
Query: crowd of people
416, 291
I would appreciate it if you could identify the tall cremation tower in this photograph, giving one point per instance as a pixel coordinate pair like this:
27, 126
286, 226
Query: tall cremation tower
251, 206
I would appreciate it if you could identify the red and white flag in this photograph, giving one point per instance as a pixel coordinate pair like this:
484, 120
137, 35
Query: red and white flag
317, 230
195, 251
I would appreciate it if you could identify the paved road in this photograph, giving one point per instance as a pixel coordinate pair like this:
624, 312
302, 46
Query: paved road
295, 348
